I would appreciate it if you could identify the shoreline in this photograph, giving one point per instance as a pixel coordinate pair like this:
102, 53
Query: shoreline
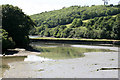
53, 38
21, 52
76, 41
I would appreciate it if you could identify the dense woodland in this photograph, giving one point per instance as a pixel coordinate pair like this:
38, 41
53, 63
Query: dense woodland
102, 22
15, 27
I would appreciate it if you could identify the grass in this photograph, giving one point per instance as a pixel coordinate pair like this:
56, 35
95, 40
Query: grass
114, 15
68, 25
85, 21
50, 38
65, 52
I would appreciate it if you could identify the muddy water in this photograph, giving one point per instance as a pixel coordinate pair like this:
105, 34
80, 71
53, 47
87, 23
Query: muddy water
53, 51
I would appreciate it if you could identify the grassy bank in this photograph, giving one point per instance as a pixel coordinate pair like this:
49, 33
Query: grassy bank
82, 39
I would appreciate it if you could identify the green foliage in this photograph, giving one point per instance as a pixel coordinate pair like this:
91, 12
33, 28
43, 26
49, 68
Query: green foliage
76, 23
116, 28
7, 42
67, 15
99, 27
100, 22
17, 24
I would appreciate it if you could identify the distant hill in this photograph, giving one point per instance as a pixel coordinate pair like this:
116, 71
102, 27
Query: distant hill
78, 22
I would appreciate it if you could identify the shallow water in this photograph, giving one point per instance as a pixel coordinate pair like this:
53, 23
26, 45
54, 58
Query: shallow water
36, 58
55, 51
65, 51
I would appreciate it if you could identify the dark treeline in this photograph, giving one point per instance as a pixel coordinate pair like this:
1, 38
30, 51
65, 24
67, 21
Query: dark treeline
69, 22
15, 27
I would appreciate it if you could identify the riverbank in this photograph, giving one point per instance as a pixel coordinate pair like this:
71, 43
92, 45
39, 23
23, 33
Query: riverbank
85, 67
52, 38
74, 40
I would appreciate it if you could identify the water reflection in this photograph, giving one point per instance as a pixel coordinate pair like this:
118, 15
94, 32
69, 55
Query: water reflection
50, 52
36, 58
46, 44
63, 51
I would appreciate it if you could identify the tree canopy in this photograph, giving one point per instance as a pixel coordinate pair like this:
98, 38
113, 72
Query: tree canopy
67, 15
16, 25
100, 21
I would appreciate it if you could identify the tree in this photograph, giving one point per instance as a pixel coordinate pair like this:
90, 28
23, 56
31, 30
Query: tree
76, 23
105, 2
7, 42
116, 27
17, 24
80, 32
47, 33
98, 21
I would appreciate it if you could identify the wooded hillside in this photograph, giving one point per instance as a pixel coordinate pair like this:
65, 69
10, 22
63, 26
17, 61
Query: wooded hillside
79, 22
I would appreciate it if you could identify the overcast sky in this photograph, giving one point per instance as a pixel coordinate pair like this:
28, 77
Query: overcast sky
37, 6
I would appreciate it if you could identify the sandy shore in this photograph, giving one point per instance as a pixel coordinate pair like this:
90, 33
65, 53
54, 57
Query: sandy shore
85, 67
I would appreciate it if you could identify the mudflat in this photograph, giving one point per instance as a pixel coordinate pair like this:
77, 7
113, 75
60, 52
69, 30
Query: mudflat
85, 67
